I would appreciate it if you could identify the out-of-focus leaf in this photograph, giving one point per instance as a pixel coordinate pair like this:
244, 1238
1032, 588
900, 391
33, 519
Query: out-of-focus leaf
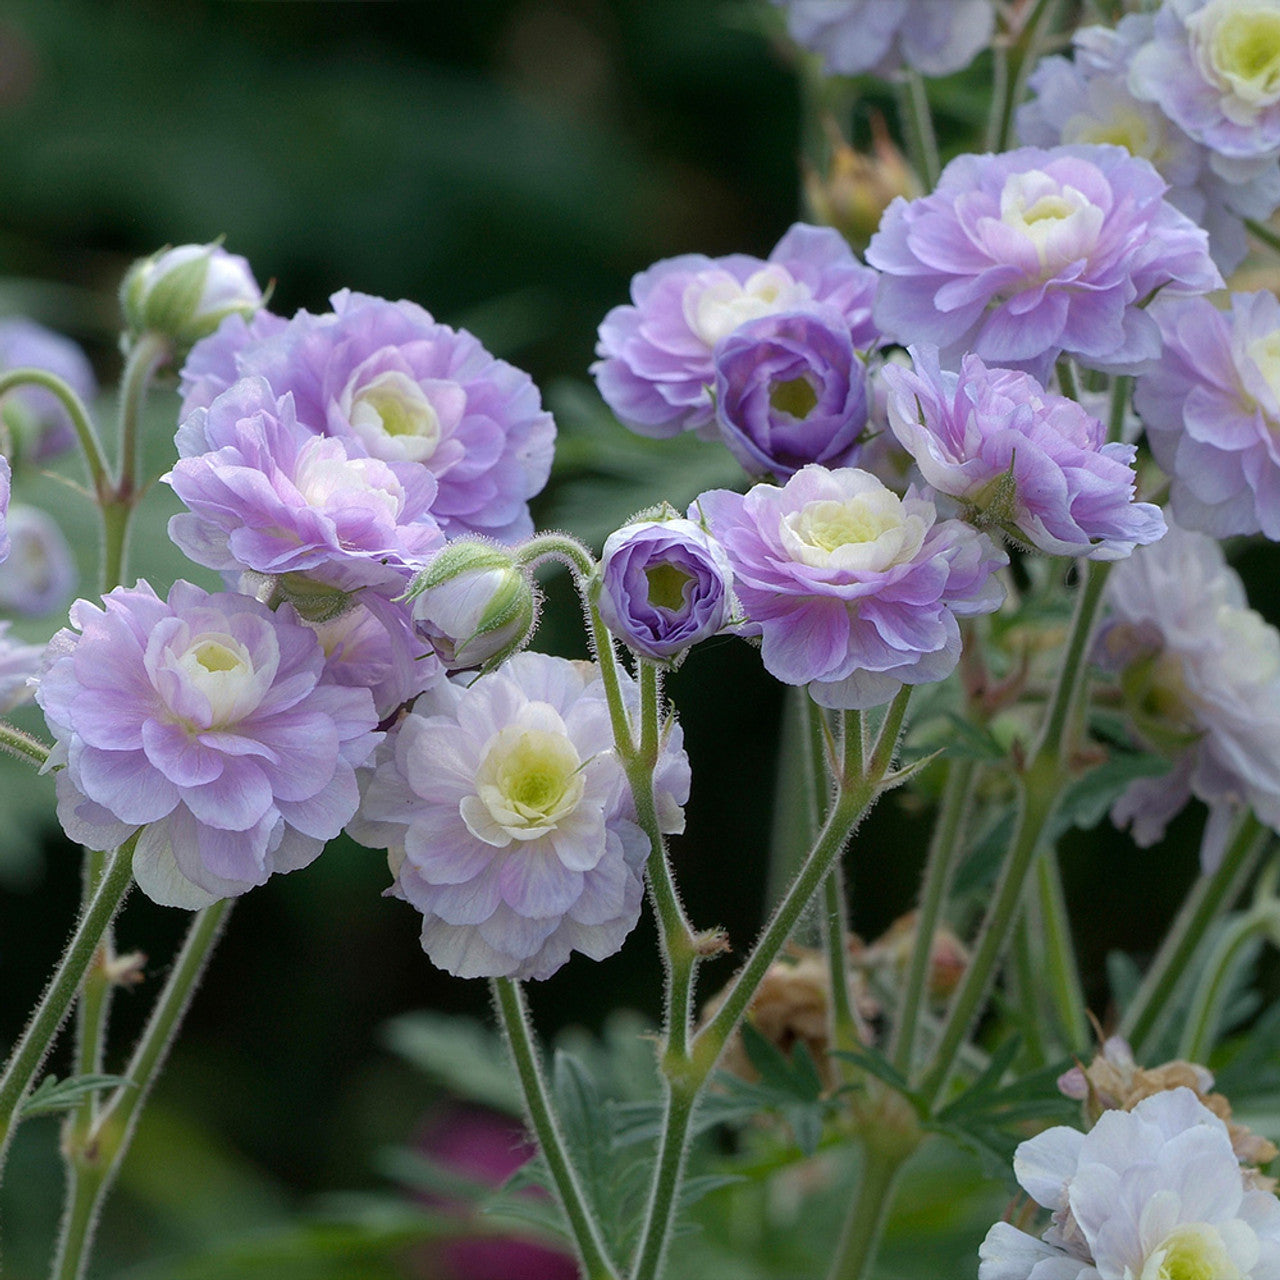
467, 1057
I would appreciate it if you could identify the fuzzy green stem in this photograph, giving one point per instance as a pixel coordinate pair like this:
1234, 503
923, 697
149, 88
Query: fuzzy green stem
1210, 896
509, 1000
94, 457
917, 124
865, 1224
944, 849
1041, 783
1063, 973
556, 546
30, 1051
17, 742
94, 1160
672, 1152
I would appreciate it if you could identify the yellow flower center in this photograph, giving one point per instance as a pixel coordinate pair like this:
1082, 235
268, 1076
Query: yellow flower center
716, 307
394, 405
1243, 49
868, 531
666, 586
795, 397
529, 781
1192, 1252
220, 668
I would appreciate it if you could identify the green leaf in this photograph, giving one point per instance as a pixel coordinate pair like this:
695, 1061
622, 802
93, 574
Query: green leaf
879, 1066
1088, 800
52, 1095
468, 1058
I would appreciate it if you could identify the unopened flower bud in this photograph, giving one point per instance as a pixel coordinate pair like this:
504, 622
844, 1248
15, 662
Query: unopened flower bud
856, 189
666, 584
474, 604
186, 293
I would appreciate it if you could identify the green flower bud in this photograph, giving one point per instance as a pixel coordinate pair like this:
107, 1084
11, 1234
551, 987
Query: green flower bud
185, 293
474, 604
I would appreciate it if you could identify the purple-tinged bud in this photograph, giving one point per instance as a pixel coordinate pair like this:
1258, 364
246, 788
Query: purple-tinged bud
665, 585
474, 605
185, 293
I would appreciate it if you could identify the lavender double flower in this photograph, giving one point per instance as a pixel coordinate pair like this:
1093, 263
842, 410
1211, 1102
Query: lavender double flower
656, 363
209, 721
266, 494
851, 589
1200, 674
395, 385
1212, 412
508, 820
790, 389
1032, 463
1022, 256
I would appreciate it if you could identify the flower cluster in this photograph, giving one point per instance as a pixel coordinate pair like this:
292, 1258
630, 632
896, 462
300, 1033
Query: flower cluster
852, 590
1090, 100
1152, 1192
659, 354
509, 822
1033, 463
210, 722
1200, 672
1023, 256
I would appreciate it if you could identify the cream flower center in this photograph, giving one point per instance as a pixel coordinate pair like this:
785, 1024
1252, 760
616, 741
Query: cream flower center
1238, 47
1128, 129
715, 308
220, 667
529, 781
1061, 222
394, 405
322, 475
868, 531
1265, 354
1192, 1252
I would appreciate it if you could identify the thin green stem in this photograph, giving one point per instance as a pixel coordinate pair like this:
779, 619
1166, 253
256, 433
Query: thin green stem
944, 850
30, 1051
150, 353
845, 1029
917, 124
1024, 975
1063, 973
672, 1151
865, 1223
1067, 381
556, 546
1118, 406
17, 742
1260, 231
1200, 1030
94, 457
1211, 895
94, 1160
510, 1003
1041, 782
1021, 58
